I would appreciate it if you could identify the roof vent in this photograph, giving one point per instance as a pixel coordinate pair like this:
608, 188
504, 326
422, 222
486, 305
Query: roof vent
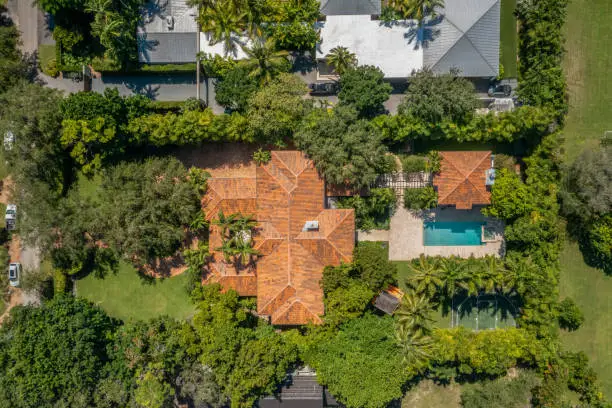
311, 226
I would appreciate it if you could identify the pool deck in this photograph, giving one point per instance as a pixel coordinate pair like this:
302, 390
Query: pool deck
406, 234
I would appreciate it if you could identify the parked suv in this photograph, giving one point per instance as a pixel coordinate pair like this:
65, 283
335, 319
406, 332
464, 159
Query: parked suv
14, 274
323, 88
10, 216
500, 90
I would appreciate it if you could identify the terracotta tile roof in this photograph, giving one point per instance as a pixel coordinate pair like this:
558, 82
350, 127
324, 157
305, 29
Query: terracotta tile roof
289, 192
461, 181
231, 195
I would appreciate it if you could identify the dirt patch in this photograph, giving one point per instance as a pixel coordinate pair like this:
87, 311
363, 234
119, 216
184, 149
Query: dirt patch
6, 190
15, 249
171, 265
221, 159
16, 299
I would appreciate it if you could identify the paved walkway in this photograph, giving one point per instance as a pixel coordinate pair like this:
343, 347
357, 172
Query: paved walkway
406, 237
373, 235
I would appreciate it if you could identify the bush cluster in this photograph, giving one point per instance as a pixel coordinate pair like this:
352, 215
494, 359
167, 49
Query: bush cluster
373, 211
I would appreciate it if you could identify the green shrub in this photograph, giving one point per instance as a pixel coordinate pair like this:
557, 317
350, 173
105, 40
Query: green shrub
500, 393
372, 261
261, 156
60, 282
570, 315
413, 164
434, 161
50, 68
504, 161
420, 198
374, 211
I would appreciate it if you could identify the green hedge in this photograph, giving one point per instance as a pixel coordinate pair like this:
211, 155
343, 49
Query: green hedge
525, 122
420, 198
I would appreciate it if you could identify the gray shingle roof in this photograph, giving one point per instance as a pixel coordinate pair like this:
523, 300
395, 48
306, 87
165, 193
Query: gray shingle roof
466, 36
350, 7
167, 48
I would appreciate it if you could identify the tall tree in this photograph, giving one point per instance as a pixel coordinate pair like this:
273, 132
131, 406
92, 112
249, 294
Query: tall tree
274, 112
264, 61
345, 150
425, 277
367, 346
414, 313
417, 9
364, 89
225, 23
341, 59
55, 354
434, 98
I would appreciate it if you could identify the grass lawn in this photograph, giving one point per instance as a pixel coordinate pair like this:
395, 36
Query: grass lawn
588, 68
508, 38
126, 296
592, 290
46, 53
427, 394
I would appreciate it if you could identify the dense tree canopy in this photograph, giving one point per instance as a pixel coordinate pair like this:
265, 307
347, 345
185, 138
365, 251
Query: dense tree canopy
275, 111
434, 98
144, 207
364, 89
248, 359
54, 354
235, 88
587, 190
345, 150
360, 364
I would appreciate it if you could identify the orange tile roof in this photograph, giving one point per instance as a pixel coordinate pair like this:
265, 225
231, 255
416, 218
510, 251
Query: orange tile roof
289, 192
461, 181
230, 195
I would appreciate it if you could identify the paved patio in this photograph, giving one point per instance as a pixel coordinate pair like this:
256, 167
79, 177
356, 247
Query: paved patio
406, 234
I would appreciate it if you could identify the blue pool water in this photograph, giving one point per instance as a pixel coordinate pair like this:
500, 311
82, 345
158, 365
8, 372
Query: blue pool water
451, 233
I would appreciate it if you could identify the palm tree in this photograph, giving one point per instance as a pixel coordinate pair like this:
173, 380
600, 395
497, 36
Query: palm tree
243, 249
452, 271
415, 348
417, 9
228, 250
414, 312
225, 222
264, 61
341, 59
522, 275
224, 23
494, 272
472, 277
425, 276
243, 224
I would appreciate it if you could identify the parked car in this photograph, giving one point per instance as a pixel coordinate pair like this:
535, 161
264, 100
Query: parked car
9, 140
500, 91
323, 88
14, 274
10, 216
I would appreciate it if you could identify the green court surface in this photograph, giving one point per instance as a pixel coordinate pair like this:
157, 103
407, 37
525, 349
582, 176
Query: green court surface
483, 312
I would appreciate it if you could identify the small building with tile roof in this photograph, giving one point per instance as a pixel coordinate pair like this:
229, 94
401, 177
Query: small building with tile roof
462, 180
296, 237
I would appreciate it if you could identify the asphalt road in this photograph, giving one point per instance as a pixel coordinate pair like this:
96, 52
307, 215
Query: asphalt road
25, 15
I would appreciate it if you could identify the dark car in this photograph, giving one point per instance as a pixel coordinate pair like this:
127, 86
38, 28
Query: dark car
323, 88
500, 91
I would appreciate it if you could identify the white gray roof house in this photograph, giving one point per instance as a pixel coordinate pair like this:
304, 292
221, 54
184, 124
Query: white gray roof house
464, 35
467, 38
167, 34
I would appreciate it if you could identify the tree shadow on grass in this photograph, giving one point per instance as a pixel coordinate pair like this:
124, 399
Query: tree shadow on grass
578, 232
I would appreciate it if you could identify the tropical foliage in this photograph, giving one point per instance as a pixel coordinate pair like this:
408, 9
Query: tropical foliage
346, 150
372, 211
364, 89
341, 59
420, 198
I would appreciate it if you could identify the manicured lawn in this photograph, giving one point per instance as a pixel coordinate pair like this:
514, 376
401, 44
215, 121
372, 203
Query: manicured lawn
592, 291
508, 38
45, 54
126, 296
588, 68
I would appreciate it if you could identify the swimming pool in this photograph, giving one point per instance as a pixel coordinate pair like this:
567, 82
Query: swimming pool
452, 233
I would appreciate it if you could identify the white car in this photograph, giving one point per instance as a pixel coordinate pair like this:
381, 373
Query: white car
10, 216
14, 274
